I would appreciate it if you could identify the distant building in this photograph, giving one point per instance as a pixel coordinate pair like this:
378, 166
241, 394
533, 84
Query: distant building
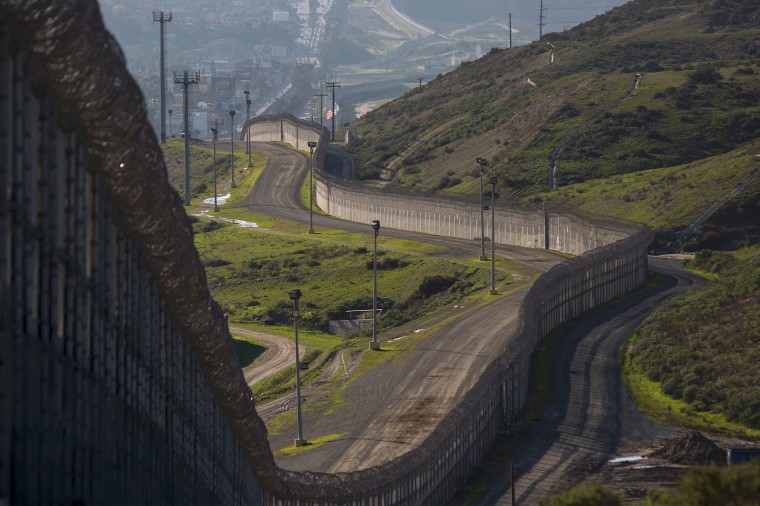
279, 53
281, 16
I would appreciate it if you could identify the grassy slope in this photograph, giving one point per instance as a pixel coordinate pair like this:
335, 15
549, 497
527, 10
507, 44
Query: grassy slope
500, 116
202, 166
695, 361
667, 198
685, 138
487, 108
259, 269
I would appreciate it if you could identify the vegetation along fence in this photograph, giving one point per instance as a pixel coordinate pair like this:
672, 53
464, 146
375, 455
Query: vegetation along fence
120, 381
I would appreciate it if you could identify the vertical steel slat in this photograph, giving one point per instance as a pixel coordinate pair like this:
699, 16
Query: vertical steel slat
6, 337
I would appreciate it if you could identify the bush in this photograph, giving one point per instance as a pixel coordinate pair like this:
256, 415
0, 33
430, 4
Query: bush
206, 226
387, 263
435, 284
738, 484
705, 74
586, 494
215, 262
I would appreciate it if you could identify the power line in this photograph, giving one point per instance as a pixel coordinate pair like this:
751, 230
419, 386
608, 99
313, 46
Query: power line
321, 96
541, 23
186, 81
333, 85
161, 18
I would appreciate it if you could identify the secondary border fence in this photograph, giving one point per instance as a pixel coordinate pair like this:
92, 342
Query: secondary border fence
612, 261
120, 383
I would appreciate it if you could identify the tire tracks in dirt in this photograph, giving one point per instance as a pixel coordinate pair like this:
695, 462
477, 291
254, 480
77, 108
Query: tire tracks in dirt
590, 416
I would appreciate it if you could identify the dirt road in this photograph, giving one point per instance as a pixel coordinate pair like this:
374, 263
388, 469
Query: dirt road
590, 417
280, 353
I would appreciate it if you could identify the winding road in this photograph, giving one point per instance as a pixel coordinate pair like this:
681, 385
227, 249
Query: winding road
402, 20
280, 353
276, 194
392, 408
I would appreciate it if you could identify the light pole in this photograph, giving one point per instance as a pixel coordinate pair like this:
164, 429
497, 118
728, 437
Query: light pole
312, 145
214, 131
232, 147
482, 163
321, 96
170, 122
493, 180
247, 126
374, 345
295, 295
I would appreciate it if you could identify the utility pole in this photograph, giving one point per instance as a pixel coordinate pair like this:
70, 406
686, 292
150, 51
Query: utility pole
333, 85
420, 79
160, 17
374, 345
214, 131
247, 126
186, 81
482, 163
312, 145
541, 20
232, 148
295, 295
510, 30
493, 179
321, 96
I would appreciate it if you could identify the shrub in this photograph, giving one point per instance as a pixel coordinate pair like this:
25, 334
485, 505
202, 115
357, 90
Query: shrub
586, 494
705, 74
738, 484
435, 284
215, 262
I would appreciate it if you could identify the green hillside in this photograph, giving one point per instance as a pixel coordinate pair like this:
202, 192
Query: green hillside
697, 98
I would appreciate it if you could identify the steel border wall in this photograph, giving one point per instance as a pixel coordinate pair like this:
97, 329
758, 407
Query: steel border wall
103, 400
611, 261
560, 229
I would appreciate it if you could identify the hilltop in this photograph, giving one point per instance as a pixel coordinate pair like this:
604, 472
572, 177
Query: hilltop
651, 93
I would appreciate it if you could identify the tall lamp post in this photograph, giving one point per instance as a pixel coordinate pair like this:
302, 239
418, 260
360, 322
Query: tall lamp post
295, 295
312, 145
493, 180
232, 147
321, 96
482, 163
374, 345
170, 122
214, 131
247, 126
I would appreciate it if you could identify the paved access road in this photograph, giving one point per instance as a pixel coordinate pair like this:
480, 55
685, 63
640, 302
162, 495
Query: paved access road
276, 194
393, 408
404, 21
